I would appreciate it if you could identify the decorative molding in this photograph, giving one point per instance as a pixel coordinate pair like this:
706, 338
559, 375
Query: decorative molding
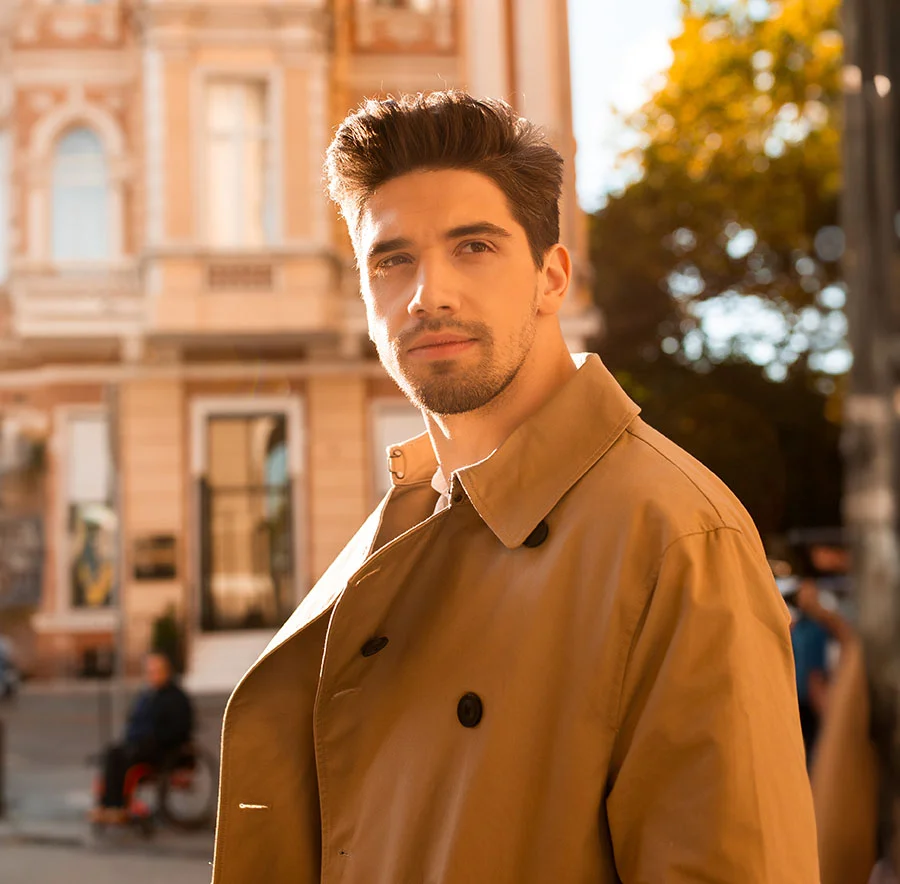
299, 26
51, 67
405, 73
71, 29
389, 30
41, 102
70, 22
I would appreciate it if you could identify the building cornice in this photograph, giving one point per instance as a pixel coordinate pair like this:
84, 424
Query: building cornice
295, 25
80, 374
50, 67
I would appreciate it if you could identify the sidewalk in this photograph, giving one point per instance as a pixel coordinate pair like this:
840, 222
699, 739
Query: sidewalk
51, 730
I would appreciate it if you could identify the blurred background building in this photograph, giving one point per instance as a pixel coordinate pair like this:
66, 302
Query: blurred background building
193, 420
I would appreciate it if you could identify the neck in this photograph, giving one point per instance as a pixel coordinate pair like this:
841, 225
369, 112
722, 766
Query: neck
463, 439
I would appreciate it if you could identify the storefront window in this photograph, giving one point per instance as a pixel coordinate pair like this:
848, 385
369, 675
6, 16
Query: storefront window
247, 524
91, 520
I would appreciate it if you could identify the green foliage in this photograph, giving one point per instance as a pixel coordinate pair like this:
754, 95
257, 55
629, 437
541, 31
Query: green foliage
734, 217
167, 638
774, 444
739, 152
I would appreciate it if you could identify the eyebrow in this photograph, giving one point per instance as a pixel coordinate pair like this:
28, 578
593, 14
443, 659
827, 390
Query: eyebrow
387, 245
479, 228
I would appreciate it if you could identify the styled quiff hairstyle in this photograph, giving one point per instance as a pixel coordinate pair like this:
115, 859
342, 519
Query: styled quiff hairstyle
385, 139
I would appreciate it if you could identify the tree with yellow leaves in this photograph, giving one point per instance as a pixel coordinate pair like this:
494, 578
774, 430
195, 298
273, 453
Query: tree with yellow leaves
727, 244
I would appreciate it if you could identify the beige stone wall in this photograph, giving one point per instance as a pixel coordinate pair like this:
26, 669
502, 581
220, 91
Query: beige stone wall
179, 221
152, 471
338, 466
300, 297
298, 206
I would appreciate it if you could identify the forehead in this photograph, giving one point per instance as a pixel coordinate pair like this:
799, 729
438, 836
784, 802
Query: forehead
433, 201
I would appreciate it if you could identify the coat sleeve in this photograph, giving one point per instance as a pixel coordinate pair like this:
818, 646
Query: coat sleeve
708, 777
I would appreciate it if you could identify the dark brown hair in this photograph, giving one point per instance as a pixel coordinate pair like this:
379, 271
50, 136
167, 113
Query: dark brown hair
385, 139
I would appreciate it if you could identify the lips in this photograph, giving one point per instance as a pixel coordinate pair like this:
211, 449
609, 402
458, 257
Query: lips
440, 341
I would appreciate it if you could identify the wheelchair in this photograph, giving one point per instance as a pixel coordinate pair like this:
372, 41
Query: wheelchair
180, 791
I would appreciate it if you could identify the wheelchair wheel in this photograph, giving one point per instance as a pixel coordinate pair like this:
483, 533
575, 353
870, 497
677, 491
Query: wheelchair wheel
188, 787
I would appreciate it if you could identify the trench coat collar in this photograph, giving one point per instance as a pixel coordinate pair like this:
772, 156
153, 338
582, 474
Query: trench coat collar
517, 485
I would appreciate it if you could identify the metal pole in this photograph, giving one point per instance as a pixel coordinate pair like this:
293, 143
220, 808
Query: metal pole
2, 768
117, 682
871, 439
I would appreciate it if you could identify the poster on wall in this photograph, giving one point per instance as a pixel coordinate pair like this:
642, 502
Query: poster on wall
92, 541
21, 561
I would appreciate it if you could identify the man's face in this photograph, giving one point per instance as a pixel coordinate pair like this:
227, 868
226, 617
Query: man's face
450, 288
156, 670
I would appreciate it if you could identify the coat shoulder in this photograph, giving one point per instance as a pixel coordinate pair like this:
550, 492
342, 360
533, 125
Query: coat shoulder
651, 478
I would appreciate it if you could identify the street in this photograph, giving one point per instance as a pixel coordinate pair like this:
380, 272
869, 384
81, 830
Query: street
48, 864
51, 732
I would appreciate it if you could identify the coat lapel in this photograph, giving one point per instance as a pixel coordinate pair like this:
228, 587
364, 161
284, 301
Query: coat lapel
329, 586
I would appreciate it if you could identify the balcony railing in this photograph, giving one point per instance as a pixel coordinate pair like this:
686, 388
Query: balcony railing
76, 303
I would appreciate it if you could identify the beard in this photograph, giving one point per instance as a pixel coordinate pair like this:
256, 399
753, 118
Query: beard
445, 387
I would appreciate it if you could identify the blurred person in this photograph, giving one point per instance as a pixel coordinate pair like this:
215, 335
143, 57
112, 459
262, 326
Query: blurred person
854, 845
810, 635
856, 841
555, 651
811, 632
160, 721
9, 673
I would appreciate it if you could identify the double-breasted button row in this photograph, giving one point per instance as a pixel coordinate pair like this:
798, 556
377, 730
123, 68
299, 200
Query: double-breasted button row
374, 645
469, 710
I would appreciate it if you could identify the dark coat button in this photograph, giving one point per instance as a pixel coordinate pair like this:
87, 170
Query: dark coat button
538, 536
469, 710
373, 646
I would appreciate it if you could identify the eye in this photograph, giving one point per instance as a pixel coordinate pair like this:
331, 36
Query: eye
391, 261
476, 247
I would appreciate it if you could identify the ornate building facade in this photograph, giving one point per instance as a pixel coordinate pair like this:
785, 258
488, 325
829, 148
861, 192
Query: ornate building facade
183, 351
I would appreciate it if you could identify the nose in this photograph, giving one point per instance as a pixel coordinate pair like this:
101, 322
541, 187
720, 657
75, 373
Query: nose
436, 293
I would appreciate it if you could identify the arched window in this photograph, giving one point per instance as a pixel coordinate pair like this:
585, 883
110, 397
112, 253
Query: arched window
81, 198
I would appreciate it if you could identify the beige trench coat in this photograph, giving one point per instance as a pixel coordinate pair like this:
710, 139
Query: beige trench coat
587, 677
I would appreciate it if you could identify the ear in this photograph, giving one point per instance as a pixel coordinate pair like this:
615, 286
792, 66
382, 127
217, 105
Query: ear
554, 280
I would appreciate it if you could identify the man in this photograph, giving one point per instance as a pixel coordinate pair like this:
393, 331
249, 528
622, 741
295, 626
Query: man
555, 651
160, 721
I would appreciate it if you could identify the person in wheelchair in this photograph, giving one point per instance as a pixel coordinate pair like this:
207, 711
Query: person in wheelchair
160, 721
